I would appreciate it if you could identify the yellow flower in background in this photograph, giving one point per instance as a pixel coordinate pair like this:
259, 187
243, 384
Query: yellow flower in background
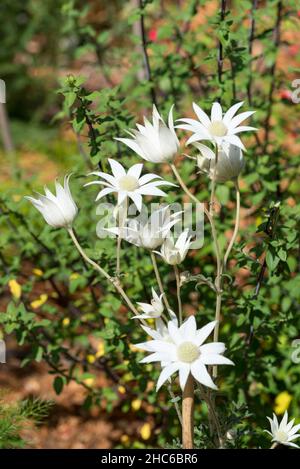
15, 289
133, 348
258, 221
121, 390
89, 381
39, 302
124, 439
145, 431
100, 350
38, 272
74, 276
136, 404
91, 359
282, 402
66, 322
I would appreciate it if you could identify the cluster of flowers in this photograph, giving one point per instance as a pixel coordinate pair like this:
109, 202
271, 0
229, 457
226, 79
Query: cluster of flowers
179, 347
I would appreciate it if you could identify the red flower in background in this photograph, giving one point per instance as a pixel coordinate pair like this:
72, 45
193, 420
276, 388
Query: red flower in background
152, 34
285, 94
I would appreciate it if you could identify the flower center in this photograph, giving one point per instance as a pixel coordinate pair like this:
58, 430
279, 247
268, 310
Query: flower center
128, 183
218, 129
188, 352
281, 436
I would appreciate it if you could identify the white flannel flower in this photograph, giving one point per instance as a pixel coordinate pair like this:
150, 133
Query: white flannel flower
156, 142
58, 210
183, 351
151, 232
285, 432
175, 252
218, 129
153, 310
229, 166
129, 184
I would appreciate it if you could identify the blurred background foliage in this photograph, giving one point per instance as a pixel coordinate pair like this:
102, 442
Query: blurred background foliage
77, 75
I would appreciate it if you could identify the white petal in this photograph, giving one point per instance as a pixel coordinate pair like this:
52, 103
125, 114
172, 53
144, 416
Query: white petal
202, 116
214, 359
107, 190
108, 177
147, 178
135, 170
201, 374
240, 118
231, 112
165, 374
234, 140
174, 333
188, 328
117, 169
216, 112
214, 348
137, 200
241, 128
133, 145
184, 371
204, 332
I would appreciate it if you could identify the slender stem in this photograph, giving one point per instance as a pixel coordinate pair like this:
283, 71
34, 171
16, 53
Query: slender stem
237, 223
122, 214
177, 276
114, 281
212, 413
158, 278
175, 403
188, 414
213, 185
192, 197
218, 280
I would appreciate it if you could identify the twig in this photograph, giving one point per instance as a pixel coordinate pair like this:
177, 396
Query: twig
277, 38
220, 47
145, 52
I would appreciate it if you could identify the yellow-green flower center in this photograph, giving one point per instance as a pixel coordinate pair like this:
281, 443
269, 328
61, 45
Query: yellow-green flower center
128, 183
281, 436
188, 352
218, 129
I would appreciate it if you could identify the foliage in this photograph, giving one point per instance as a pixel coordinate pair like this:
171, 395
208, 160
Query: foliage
14, 417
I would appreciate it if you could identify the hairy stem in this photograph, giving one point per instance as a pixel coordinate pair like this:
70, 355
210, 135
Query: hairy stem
114, 281
122, 214
237, 223
177, 276
188, 414
159, 281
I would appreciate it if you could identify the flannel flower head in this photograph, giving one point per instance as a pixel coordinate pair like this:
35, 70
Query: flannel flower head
284, 432
129, 184
229, 166
151, 310
221, 130
183, 350
151, 232
156, 142
58, 210
175, 252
